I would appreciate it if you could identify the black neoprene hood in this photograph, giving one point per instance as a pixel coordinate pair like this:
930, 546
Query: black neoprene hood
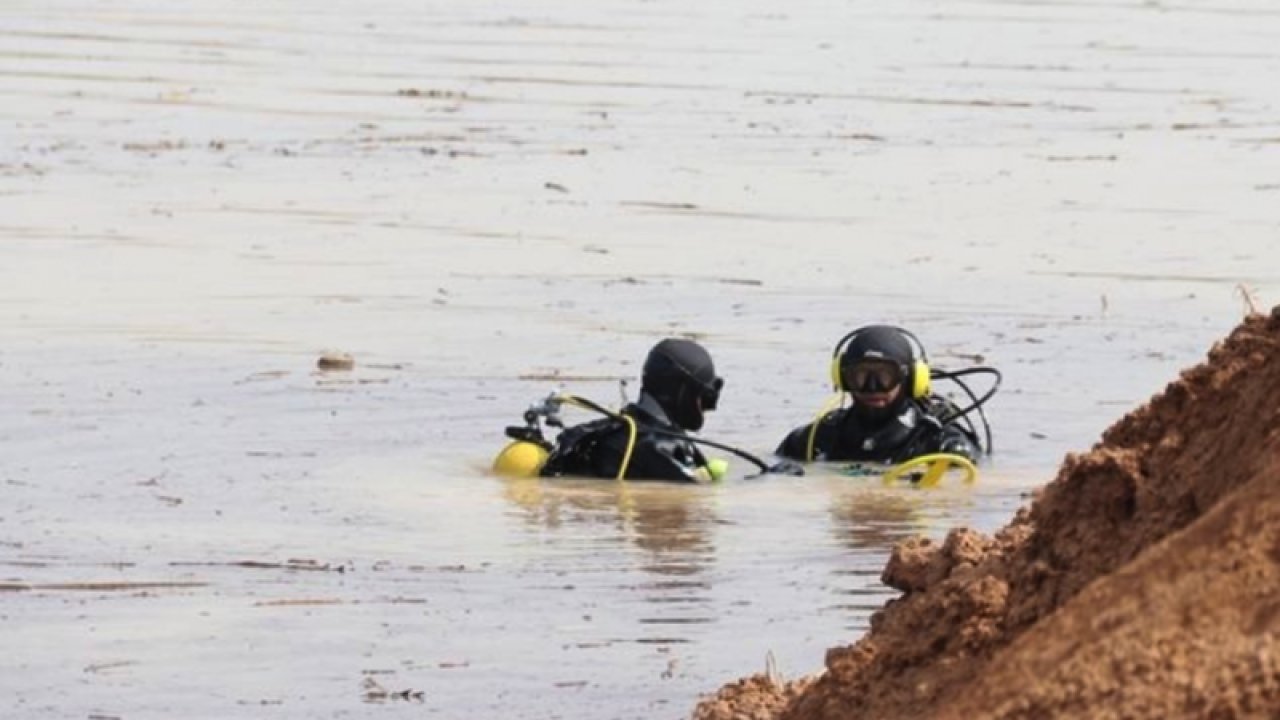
878, 341
675, 361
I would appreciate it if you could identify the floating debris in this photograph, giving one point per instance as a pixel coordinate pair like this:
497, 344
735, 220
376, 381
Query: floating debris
336, 361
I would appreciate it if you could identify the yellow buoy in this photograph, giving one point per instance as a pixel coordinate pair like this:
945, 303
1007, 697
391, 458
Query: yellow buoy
718, 467
713, 471
520, 458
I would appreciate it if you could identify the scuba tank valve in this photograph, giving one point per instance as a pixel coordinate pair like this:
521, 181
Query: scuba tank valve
528, 450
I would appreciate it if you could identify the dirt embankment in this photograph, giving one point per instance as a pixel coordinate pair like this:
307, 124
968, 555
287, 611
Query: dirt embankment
1144, 581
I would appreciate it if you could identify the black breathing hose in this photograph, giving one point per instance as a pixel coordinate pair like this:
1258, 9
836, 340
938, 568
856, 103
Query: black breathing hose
976, 402
764, 467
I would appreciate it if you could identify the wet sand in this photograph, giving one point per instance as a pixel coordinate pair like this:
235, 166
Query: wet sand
197, 202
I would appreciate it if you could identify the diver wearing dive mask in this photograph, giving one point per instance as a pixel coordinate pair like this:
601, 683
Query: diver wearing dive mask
678, 386
680, 376
892, 416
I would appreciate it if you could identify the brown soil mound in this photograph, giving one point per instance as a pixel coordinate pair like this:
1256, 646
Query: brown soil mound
1144, 581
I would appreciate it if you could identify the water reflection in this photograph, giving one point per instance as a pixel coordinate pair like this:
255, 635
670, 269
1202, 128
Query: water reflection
867, 520
668, 527
663, 519
873, 520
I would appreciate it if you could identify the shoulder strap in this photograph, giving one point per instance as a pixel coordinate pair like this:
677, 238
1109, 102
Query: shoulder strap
575, 446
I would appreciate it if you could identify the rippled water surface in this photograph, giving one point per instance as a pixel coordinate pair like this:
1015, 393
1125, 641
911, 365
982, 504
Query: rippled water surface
483, 202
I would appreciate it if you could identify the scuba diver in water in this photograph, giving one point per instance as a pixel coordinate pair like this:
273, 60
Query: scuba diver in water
678, 386
646, 440
893, 416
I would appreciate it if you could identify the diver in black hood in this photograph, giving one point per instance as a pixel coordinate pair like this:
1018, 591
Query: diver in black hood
647, 440
680, 376
893, 416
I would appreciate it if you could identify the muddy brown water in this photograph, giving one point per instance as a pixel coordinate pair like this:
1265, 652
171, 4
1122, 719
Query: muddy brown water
197, 201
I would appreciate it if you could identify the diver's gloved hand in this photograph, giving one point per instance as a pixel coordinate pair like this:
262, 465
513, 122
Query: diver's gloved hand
960, 446
786, 467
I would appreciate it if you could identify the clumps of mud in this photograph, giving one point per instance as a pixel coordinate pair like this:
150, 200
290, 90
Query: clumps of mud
759, 697
1144, 581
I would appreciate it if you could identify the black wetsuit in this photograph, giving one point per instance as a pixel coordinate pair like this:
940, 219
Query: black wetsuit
916, 430
597, 448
